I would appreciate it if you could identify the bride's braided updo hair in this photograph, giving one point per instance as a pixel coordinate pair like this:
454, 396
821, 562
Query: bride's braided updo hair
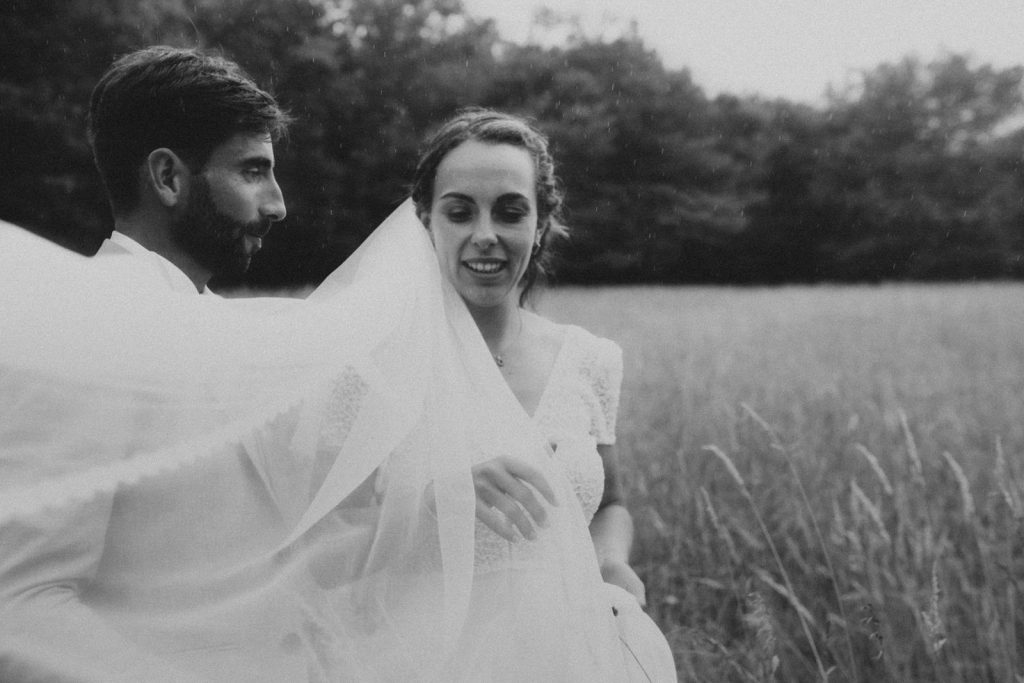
489, 126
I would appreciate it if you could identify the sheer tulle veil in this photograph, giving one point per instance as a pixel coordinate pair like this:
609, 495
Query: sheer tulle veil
361, 409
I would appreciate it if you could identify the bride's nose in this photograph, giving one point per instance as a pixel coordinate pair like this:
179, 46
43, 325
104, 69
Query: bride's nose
483, 233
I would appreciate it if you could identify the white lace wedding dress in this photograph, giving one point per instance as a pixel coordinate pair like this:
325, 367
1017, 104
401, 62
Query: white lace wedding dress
577, 411
578, 408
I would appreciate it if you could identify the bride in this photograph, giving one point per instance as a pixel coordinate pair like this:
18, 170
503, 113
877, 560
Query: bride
485, 189
395, 417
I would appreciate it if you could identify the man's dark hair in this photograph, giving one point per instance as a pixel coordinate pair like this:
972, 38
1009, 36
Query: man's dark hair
181, 99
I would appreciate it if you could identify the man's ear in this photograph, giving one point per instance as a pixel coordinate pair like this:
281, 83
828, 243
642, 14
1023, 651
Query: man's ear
167, 176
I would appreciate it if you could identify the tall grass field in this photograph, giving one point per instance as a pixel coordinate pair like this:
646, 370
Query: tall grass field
827, 483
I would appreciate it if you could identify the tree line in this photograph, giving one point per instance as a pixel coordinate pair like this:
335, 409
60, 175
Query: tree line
912, 173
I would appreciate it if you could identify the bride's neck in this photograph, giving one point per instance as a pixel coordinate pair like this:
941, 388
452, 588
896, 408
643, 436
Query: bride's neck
498, 324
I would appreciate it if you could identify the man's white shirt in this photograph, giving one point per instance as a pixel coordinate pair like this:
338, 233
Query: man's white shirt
120, 244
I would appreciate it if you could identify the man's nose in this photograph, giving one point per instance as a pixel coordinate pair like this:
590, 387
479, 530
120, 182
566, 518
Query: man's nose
273, 207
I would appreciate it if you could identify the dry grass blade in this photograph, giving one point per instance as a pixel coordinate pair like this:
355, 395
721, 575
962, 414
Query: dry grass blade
961, 480
819, 536
915, 459
787, 594
804, 622
763, 423
873, 628
720, 529
873, 511
758, 618
1010, 495
876, 467
935, 628
730, 466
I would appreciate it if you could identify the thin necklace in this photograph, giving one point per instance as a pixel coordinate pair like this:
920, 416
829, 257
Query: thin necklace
499, 357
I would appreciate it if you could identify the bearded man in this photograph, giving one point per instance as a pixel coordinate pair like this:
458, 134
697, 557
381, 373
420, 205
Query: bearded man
155, 581
184, 143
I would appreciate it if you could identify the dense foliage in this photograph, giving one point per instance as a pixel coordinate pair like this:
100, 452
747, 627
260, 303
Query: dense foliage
914, 173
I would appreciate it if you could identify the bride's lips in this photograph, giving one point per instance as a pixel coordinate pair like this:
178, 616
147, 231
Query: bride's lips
484, 267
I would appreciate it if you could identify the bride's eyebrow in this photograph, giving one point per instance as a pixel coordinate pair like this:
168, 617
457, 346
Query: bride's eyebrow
457, 195
513, 197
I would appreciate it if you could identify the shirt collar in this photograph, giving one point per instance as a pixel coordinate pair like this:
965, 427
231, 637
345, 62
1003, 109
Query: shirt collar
173, 275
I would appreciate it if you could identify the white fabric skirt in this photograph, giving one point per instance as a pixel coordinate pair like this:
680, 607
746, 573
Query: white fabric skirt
645, 649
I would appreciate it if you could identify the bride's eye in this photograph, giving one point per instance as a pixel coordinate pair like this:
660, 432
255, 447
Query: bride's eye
458, 213
512, 215
458, 216
512, 211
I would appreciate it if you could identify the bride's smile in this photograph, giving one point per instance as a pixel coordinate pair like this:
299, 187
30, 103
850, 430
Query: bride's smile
483, 220
485, 266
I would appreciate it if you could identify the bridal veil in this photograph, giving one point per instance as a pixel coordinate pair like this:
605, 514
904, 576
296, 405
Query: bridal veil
358, 413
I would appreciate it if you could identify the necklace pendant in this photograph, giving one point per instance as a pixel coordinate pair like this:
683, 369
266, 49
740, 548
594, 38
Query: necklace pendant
500, 361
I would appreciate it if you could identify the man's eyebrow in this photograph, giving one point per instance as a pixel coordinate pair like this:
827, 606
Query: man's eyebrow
259, 161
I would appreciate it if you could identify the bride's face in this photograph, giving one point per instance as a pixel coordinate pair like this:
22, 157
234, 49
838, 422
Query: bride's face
483, 220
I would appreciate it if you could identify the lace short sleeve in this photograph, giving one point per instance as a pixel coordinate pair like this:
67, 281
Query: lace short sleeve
602, 370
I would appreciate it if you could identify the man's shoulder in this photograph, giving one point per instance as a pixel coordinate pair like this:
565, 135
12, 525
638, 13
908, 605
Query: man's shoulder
111, 248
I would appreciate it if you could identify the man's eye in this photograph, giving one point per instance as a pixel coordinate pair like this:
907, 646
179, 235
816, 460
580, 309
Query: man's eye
254, 173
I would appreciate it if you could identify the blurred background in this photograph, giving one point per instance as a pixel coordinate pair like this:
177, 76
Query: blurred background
906, 169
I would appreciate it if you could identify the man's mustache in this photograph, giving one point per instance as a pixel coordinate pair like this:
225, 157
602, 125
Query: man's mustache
258, 228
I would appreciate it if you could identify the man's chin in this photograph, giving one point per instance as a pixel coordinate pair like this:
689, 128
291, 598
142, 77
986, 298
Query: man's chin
241, 265
231, 269
241, 259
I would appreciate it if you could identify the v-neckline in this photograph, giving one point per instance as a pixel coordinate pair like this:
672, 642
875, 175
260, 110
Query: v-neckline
562, 350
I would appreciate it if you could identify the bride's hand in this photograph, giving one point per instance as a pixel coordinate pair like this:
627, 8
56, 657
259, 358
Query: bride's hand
505, 501
623, 576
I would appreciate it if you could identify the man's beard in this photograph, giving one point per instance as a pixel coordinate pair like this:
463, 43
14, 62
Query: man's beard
215, 240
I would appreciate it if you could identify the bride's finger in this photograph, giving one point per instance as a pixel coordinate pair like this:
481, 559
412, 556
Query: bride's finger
516, 515
495, 499
523, 495
495, 521
489, 492
532, 476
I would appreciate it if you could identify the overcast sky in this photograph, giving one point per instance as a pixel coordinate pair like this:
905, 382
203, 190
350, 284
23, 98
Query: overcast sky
790, 48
